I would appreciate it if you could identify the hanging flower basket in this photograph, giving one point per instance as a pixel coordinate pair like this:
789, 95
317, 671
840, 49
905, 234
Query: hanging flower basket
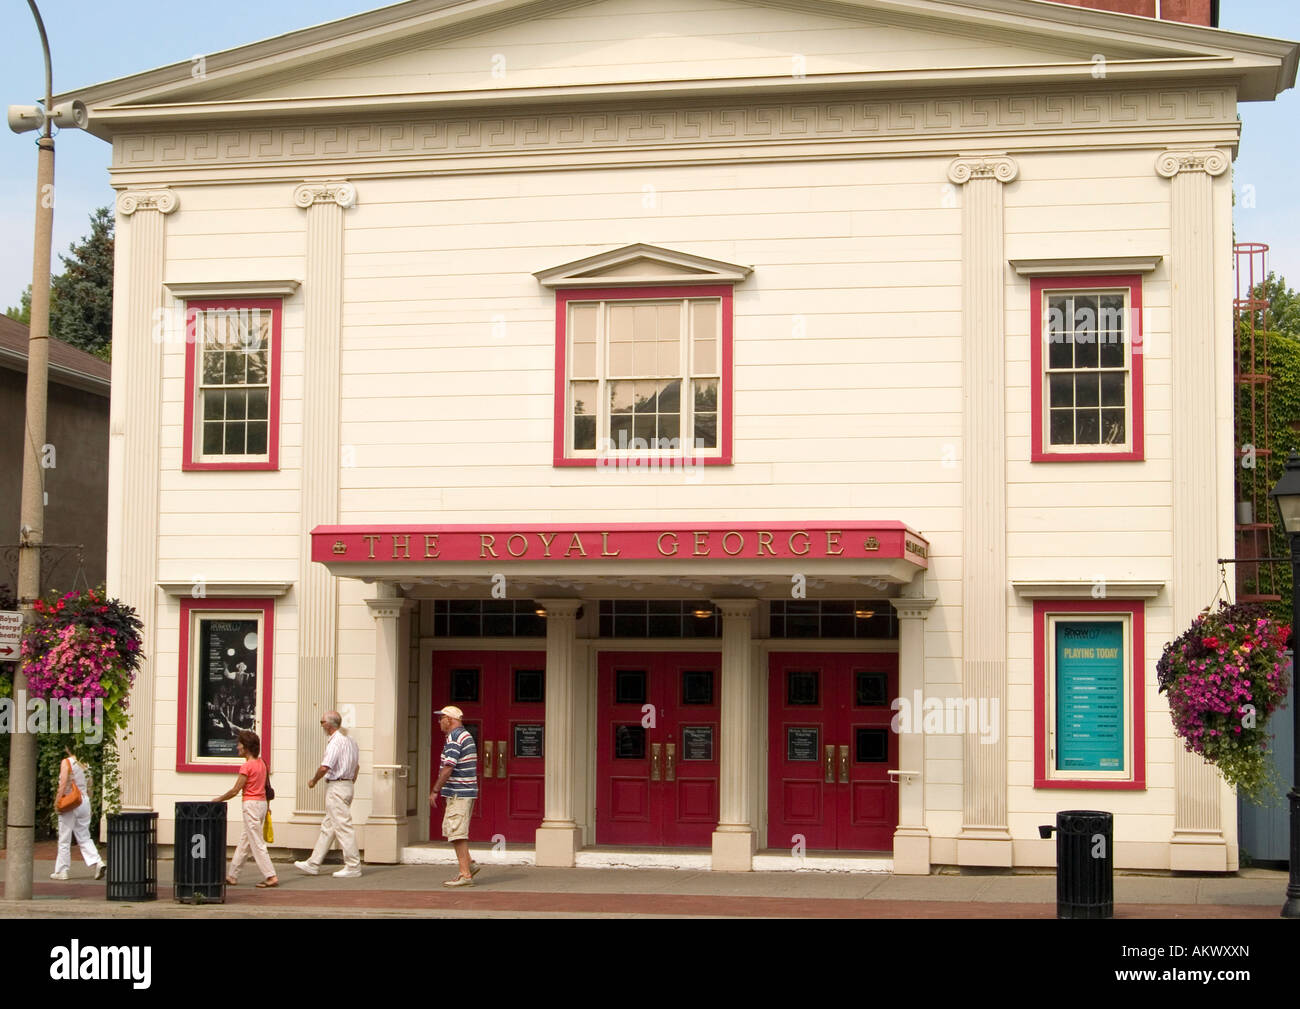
1225, 675
82, 649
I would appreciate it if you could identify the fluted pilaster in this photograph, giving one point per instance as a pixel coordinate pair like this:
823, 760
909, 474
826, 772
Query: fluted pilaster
135, 455
985, 839
386, 827
734, 840
1198, 841
325, 203
558, 836
912, 838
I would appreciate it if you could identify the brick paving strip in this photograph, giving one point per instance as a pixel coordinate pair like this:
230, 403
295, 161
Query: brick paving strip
87, 900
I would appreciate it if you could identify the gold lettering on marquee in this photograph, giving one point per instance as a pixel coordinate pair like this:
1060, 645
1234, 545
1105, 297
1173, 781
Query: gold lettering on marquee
700, 537
833, 548
604, 547
510, 548
404, 544
660, 543
431, 545
739, 546
913, 547
547, 539
575, 542
807, 541
485, 541
765, 540
372, 538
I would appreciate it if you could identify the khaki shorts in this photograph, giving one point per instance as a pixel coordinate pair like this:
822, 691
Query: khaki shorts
455, 821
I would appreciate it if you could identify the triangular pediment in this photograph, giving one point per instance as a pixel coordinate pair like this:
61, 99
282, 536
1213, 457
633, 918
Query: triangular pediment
426, 54
640, 264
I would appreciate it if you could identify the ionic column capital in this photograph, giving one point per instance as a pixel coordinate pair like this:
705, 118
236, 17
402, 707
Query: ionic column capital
998, 168
330, 191
1209, 161
561, 608
162, 200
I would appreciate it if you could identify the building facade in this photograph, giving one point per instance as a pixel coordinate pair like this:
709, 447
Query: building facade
782, 428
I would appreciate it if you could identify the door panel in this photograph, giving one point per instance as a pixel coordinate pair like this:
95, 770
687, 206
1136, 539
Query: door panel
658, 760
504, 699
830, 747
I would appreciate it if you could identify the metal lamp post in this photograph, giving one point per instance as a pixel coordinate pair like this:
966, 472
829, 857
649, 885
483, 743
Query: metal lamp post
1287, 496
22, 745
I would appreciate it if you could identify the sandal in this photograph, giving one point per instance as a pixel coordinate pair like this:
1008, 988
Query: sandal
231, 882
267, 884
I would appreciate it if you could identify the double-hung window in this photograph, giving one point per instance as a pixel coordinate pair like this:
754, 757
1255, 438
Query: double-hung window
232, 374
644, 373
1086, 371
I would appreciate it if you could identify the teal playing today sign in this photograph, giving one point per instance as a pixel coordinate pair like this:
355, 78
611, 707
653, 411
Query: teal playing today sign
1089, 695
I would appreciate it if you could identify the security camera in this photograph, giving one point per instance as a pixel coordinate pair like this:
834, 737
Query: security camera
70, 115
25, 118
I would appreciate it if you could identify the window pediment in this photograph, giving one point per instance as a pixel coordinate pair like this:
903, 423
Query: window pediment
640, 264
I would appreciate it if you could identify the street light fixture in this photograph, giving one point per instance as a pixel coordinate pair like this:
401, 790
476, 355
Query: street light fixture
22, 746
1287, 496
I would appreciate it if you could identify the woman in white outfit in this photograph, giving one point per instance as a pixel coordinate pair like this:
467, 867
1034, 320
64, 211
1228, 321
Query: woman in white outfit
75, 821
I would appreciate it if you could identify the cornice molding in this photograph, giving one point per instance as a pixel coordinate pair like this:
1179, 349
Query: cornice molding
1088, 266
649, 264
231, 288
658, 127
1209, 161
333, 191
912, 608
1065, 589
998, 168
389, 609
225, 589
165, 201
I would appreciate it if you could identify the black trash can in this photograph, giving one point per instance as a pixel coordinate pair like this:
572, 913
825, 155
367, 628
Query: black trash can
199, 859
132, 856
1085, 863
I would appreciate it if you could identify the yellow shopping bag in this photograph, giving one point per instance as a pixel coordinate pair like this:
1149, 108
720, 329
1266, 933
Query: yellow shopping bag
268, 829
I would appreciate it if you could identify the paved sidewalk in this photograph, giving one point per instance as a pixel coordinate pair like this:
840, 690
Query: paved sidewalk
526, 891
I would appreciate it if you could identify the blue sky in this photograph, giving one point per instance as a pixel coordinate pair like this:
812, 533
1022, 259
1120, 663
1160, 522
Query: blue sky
93, 42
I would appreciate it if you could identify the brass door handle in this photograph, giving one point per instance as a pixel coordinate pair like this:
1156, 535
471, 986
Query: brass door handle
501, 758
830, 765
487, 758
844, 765
654, 761
671, 767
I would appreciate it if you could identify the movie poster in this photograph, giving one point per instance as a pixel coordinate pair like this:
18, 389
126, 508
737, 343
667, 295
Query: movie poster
228, 684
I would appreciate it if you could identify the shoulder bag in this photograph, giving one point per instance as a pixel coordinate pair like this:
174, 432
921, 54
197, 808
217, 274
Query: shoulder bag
71, 798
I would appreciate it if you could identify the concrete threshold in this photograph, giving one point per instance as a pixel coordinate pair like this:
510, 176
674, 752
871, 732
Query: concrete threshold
629, 857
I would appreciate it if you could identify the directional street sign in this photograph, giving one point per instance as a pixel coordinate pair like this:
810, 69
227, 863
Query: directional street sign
11, 633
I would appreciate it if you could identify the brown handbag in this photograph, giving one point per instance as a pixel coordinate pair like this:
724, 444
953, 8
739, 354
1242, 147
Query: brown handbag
71, 799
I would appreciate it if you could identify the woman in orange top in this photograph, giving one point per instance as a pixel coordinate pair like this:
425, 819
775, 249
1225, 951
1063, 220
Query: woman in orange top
252, 782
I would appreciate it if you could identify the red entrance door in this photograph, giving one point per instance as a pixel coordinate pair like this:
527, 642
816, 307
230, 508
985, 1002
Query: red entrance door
503, 695
830, 748
657, 748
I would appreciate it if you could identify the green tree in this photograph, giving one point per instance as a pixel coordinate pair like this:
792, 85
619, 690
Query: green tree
23, 311
81, 297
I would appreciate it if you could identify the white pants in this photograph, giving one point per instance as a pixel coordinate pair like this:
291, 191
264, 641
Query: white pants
75, 821
337, 823
252, 841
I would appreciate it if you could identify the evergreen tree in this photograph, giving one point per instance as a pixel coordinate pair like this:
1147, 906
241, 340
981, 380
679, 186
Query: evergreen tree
22, 312
81, 297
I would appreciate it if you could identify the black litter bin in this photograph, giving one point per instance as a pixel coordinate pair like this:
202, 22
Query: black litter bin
1085, 863
199, 866
132, 856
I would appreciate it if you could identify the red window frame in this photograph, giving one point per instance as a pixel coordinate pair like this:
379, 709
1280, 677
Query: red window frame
266, 607
1040, 448
1136, 610
562, 299
190, 454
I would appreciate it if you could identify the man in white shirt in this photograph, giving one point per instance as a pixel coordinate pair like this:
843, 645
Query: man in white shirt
339, 768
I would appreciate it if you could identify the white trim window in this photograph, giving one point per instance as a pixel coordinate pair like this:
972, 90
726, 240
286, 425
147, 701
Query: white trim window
644, 376
1088, 370
234, 385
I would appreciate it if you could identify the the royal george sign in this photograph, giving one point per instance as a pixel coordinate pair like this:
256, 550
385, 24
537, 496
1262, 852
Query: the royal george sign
501, 544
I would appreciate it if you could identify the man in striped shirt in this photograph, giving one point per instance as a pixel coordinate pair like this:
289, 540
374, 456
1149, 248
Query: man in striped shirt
458, 784
339, 768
